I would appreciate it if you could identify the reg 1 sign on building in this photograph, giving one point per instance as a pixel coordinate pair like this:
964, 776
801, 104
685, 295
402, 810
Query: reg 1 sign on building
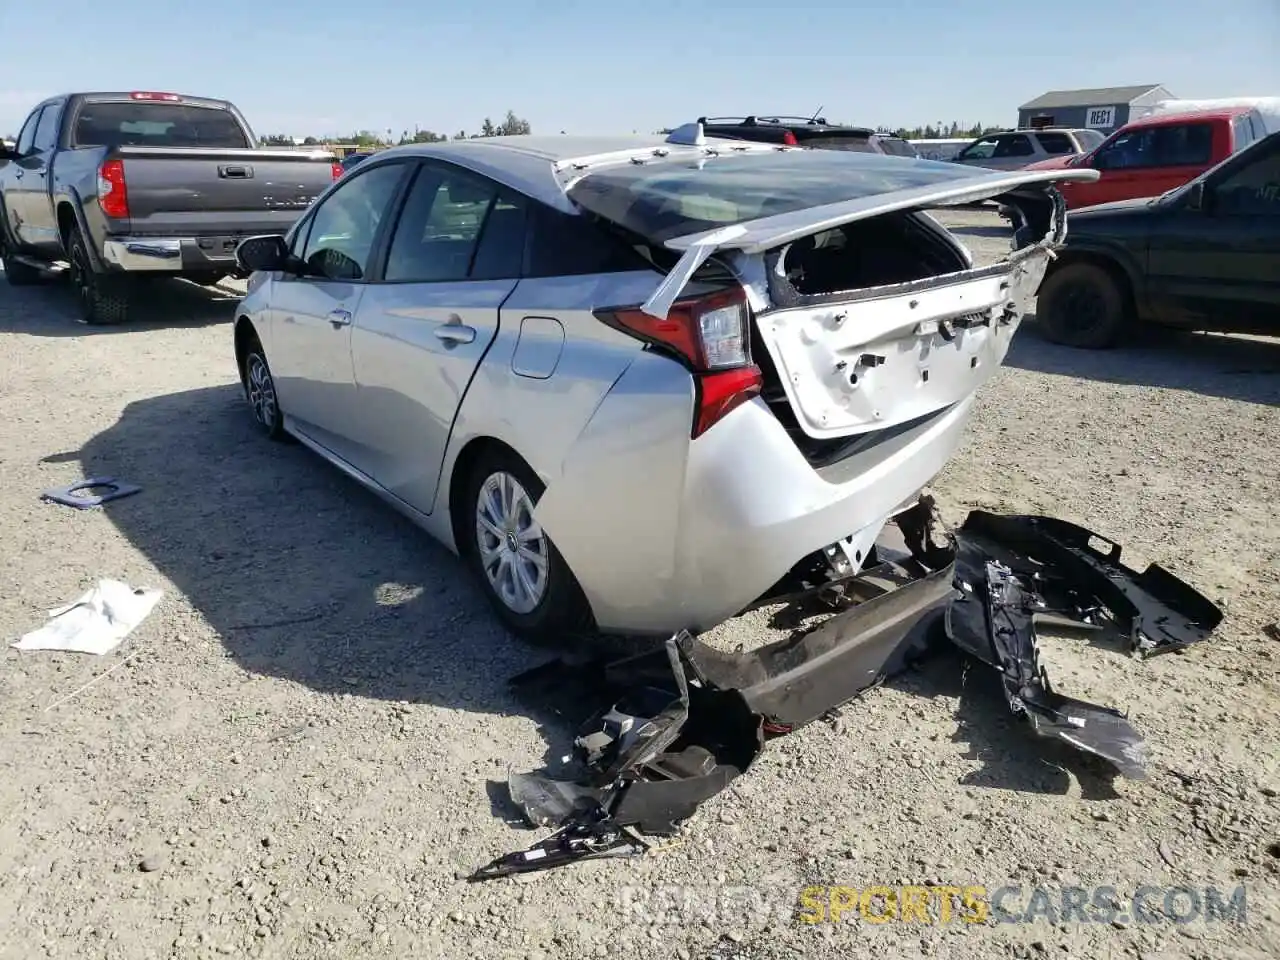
1100, 118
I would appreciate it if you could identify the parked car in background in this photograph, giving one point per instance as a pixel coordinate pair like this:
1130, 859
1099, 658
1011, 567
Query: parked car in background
1015, 149
1202, 257
1154, 155
142, 184
539, 348
353, 160
940, 149
894, 146
805, 132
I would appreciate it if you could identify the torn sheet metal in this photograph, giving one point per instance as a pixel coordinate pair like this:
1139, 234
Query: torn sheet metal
78, 495
660, 301
673, 727
96, 623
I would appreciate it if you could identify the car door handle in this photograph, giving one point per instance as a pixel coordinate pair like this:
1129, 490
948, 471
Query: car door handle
17, 174
340, 318
455, 332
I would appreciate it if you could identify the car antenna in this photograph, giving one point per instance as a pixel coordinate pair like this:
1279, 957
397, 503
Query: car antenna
816, 114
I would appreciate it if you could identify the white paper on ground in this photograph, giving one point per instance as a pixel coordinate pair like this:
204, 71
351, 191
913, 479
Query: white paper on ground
96, 623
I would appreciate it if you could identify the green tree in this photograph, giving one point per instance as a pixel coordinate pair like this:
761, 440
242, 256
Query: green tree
487, 129
514, 126
310, 141
276, 140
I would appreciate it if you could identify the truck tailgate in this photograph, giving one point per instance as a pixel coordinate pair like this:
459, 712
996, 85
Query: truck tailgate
225, 192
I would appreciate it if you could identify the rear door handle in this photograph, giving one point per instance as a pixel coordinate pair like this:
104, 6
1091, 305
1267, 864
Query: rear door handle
455, 332
340, 318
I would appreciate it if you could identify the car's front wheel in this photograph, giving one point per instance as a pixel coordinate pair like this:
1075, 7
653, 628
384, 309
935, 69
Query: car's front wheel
520, 570
260, 391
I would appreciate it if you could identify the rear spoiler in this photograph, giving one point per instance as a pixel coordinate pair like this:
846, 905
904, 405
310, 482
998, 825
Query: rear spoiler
767, 233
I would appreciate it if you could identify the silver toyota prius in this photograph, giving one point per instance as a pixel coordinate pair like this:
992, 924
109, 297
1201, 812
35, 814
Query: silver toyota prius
635, 381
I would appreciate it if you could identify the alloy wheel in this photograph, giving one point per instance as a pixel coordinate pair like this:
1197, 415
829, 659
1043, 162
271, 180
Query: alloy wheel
514, 552
262, 391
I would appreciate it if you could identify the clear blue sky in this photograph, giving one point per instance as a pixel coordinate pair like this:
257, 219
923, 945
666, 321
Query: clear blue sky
333, 66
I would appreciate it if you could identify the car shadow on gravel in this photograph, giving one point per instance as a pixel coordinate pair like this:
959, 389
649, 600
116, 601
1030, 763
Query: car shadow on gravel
305, 576
49, 310
1011, 757
1215, 365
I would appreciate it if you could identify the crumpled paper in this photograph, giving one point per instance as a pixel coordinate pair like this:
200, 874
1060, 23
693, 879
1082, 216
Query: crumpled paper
96, 623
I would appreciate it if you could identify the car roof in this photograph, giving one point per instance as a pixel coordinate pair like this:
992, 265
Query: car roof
529, 162
1215, 113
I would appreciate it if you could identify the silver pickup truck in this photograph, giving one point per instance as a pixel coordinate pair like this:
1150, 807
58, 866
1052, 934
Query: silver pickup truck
123, 186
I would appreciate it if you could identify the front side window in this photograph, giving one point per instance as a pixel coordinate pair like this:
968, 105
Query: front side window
339, 244
1126, 151
982, 150
27, 135
46, 138
1252, 190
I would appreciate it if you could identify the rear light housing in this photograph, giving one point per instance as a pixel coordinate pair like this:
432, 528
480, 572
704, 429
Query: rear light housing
151, 95
711, 336
335, 169
113, 194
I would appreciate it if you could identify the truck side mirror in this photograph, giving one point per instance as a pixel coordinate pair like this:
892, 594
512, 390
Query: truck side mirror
266, 253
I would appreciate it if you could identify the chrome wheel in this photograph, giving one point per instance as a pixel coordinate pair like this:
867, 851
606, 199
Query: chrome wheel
261, 390
514, 552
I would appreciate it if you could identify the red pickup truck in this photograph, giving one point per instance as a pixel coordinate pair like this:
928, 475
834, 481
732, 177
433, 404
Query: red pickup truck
1153, 155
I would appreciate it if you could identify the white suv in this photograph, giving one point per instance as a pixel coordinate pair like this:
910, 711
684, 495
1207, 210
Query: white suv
1016, 149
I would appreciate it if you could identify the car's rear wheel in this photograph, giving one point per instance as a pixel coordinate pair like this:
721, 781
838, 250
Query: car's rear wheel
520, 570
102, 299
1082, 305
260, 391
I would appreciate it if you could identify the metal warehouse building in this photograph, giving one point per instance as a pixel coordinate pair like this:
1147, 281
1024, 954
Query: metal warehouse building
1104, 109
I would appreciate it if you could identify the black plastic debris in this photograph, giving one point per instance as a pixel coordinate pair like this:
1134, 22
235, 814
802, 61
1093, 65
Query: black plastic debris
672, 727
105, 489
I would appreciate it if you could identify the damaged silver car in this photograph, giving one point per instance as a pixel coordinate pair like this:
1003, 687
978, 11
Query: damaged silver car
636, 382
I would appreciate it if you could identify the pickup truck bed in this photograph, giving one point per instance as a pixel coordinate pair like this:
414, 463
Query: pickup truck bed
126, 184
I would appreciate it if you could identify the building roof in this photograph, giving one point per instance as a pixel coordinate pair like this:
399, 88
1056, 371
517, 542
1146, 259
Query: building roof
1096, 97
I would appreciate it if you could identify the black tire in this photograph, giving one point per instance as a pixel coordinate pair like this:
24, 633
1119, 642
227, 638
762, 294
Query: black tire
562, 614
17, 273
103, 299
260, 391
1082, 305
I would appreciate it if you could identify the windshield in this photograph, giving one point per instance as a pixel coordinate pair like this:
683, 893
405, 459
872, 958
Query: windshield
667, 199
142, 123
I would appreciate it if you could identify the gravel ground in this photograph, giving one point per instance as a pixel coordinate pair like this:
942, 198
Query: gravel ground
304, 746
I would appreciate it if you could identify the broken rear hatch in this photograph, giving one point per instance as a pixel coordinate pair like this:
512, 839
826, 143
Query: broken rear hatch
870, 312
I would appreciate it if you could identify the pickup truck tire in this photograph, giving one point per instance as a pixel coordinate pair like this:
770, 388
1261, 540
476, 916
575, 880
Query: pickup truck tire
103, 299
17, 273
1082, 305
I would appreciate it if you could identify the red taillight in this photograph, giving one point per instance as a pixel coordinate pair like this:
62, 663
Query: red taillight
113, 196
790, 140
709, 335
336, 170
151, 95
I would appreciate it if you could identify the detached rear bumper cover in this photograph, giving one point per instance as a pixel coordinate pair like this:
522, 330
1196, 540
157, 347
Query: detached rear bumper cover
674, 727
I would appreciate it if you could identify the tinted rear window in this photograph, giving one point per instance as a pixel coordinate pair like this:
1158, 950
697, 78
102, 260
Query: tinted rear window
856, 144
136, 123
671, 198
1056, 143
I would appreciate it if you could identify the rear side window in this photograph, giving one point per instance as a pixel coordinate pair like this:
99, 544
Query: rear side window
1016, 145
1183, 145
135, 123
979, 150
1242, 132
47, 130
440, 226
564, 245
1056, 143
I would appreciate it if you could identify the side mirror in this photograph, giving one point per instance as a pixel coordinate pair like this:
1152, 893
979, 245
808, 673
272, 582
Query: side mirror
266, 253
1197, 198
